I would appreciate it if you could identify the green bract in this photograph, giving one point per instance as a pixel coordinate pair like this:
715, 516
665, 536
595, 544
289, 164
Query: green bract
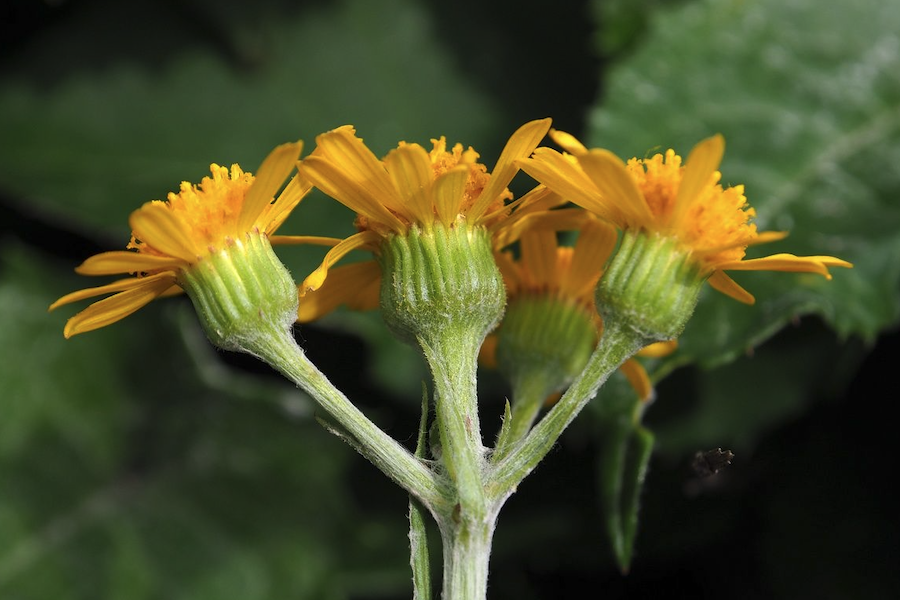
440, 278
650, 286
242, 293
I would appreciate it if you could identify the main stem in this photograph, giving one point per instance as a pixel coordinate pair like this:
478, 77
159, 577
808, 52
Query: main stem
467, 552
468, 528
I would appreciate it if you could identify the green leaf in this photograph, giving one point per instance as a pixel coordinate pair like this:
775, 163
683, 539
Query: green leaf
811, 126
418, 534
626, 451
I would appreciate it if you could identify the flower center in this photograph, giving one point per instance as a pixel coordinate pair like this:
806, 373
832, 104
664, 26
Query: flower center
716, 225
443, 160
209, 210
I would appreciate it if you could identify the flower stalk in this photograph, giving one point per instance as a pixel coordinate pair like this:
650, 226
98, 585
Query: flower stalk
279, 349
617, 344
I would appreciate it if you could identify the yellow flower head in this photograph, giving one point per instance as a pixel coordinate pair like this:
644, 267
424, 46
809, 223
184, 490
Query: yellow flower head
411, 187
566, 277
675, 200
567, 274
171, 237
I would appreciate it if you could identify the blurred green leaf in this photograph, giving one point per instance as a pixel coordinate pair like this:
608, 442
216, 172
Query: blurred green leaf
94, 147
131, 473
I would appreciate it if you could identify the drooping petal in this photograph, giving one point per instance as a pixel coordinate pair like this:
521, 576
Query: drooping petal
358, 198
315, 280
269, 178
638, 378
520, 146
789, 263
357, 286
120, 285
659, 349
158, 227
119, 306
309, 240
126, 261
725, 284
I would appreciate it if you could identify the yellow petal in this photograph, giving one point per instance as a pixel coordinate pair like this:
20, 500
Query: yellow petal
520, 146
788, 263
358, 198
357, 286
509, 269
125, 261
487, 356
117, 307
315, 280
593, 248
449, 190
410, 169
725, 284
356, 162
617, 188
174, 290
538, 201
269, 178
638, 378
158, 227
567, 142
539, 257
296, 240
702, 162
116, 286
296, 190
659, 349
566, 179
762, 238
765, 237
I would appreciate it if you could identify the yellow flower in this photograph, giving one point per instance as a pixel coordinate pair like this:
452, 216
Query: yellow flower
171, 237
557, 283
662, 196
411, 188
